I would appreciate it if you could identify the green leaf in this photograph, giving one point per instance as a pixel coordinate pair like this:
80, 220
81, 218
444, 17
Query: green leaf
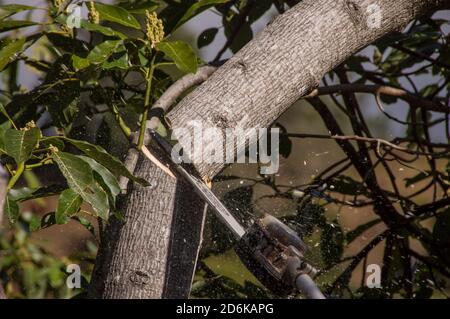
80, 178
8, 25
46, 221
206, 37
181, 53
117, 14
139, 6
53, 140
197, 8
20, 144
27, 193
93, 27
2, 143
63, 107
103, 51
101, 156
120, 63
5, 113
11, 209
9, 51
108, 180
79, 63
7, 10
69, 203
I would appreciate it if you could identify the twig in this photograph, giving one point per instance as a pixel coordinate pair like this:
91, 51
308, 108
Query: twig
377, 141
421, 56
414, 100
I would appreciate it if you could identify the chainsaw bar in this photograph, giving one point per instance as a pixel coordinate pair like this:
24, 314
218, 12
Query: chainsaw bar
203, 191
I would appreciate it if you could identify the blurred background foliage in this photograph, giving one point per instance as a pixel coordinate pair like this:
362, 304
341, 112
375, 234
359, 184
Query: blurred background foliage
86, 86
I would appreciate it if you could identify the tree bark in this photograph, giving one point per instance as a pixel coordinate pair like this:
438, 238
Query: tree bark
285, 62
141, 256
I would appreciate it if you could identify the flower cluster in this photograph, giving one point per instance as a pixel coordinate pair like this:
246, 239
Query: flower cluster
58, 3
94, 15
28, 126
154, 28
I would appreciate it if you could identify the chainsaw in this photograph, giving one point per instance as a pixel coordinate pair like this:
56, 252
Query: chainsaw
272, 251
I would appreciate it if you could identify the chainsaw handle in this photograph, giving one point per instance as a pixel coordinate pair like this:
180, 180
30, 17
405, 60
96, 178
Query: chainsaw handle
308, 287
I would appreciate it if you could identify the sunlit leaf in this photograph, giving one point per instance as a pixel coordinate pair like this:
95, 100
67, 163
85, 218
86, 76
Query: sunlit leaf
120, 63
117, 14
197, 8
11, 209
139, 6
7, 10
9, 52
103, 51
181, 53
8, 25
80, 178
79, 62
19, 144
93, 27
27, 193
69, 203
101, 156
108, 180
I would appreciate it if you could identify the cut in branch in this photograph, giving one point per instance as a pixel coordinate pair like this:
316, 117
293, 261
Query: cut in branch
161, 107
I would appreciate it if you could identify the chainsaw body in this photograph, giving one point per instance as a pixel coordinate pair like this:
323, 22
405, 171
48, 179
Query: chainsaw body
268, 249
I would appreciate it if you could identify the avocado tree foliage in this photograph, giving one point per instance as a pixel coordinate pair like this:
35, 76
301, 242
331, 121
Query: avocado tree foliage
99, 76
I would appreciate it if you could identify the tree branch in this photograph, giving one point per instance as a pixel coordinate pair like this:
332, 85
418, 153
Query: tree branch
414, 100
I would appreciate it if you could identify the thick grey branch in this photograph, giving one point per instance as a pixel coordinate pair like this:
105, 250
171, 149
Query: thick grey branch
287, 61
154, 253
